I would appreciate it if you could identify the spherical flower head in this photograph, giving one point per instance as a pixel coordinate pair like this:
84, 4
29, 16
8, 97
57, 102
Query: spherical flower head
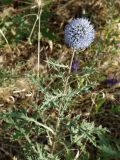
79, 33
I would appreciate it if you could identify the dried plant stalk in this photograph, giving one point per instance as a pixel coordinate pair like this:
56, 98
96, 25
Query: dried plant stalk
38, 3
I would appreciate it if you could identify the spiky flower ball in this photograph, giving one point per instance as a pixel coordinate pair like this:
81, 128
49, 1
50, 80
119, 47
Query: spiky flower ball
79, 33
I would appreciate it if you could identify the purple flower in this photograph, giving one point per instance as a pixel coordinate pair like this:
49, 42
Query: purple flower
79, 33
111, 81
75, 65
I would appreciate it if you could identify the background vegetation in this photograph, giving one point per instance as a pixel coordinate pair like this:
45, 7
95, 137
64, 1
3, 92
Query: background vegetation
37, 120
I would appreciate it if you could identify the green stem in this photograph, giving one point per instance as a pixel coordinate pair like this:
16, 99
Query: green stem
69, 71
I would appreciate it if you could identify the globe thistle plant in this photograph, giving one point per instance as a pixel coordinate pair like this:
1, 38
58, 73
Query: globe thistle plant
79, 33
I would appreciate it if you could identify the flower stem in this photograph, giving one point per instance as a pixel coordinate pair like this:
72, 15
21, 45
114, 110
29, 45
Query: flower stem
39, 37
1, 32
69, 71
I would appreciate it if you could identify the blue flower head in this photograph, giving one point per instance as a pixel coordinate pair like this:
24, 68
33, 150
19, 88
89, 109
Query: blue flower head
79, 33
